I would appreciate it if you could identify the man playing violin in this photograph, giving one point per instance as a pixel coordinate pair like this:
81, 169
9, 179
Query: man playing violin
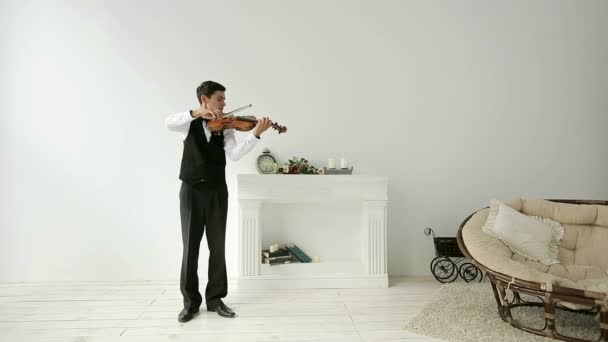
203, 195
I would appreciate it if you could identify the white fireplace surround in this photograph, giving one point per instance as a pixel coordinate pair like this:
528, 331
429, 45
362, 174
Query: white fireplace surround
339, 218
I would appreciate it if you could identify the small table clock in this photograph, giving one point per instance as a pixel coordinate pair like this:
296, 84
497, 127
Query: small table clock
266, 163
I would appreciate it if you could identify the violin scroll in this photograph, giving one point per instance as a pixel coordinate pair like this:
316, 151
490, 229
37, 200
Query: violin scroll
279, 128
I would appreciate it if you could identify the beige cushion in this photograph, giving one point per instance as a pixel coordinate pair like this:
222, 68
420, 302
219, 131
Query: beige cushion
582, 252
533, 237
602, 216
560, 212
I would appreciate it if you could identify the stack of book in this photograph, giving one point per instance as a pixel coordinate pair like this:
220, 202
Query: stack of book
284, 255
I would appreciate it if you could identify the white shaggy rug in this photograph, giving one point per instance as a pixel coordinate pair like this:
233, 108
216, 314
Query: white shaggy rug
468, 312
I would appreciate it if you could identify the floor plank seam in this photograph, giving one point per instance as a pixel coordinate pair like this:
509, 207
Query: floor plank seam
144, 309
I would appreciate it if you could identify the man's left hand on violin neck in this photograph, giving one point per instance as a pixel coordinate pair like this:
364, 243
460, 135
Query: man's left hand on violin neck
262, 125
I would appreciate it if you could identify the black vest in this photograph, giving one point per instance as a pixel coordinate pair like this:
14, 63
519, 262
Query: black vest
203, 161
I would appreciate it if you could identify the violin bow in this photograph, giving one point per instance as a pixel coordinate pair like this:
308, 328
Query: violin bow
238, 110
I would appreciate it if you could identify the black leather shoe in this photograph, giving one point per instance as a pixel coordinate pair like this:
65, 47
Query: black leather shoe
222, 310
186, 314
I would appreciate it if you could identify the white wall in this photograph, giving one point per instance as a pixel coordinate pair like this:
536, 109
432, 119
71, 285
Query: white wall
456, 101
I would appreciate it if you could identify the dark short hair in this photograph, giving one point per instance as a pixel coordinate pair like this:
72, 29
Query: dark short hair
207, 88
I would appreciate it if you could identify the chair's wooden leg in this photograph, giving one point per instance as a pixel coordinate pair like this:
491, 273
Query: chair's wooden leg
604, 323
549, 316
506, 310
498, 301
517, 298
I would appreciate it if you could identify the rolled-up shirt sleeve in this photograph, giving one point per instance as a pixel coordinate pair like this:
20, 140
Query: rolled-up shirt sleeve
236, 151
179, 122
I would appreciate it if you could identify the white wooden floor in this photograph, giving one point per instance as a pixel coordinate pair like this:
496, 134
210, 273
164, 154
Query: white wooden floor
147, 311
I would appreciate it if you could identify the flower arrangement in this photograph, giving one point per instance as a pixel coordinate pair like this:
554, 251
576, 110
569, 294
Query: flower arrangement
300, 166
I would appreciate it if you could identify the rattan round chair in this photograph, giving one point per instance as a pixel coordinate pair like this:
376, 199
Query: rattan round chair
578, 283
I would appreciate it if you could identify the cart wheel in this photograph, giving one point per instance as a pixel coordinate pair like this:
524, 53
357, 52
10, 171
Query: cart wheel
468, 272
445, 270
481, 274
433, 262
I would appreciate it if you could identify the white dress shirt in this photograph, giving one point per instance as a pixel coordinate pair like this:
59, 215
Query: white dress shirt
180, 122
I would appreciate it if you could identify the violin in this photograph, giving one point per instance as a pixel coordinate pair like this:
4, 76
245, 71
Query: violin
239, 123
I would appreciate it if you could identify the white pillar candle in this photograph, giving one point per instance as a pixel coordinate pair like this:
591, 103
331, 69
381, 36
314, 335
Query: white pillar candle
331, 163
343, 163
274, 248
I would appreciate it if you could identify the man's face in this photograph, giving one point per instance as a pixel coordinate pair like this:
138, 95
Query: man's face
217, 101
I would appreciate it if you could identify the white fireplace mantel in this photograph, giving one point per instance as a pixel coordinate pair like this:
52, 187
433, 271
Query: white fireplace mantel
358, 221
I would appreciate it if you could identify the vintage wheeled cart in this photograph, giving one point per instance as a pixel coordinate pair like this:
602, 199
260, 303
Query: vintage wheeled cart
449, 262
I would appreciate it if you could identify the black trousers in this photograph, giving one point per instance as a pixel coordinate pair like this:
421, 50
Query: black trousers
203, 206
